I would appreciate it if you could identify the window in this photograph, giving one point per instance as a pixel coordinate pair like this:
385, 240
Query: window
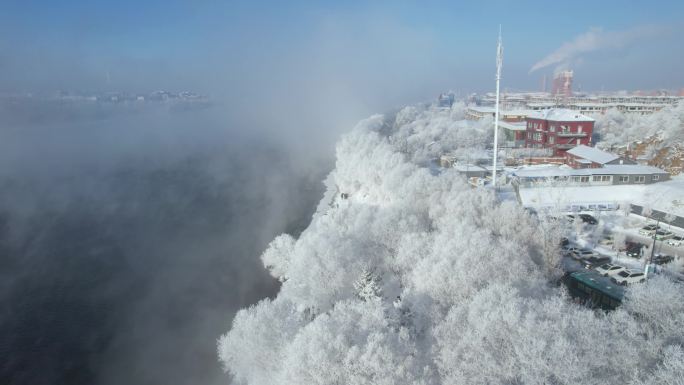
655, 177
580, 179
579, 128
640, 179
601, 178
553, 128
624, 178
552, 139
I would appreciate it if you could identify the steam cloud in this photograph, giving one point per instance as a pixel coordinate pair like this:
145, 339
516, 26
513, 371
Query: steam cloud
127, 241
130, 236
594, 40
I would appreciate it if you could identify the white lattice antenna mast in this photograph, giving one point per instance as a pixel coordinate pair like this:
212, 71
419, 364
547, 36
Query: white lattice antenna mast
499, 63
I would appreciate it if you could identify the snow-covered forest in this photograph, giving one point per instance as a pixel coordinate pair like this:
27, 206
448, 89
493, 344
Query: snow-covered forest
405, 277
618, 129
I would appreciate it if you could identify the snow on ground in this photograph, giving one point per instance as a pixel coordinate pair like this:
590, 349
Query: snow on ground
406, 276
615, 222
664, 196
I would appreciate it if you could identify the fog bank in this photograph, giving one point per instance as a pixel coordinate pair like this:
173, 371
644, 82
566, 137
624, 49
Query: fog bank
128, 240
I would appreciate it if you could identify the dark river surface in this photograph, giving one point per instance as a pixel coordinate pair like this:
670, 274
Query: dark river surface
129, 239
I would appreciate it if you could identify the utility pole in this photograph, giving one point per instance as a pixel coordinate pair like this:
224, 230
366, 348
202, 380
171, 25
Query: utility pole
653, 247
499, 63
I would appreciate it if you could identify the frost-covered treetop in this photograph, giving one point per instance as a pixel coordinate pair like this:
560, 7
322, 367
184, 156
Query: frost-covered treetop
404, 277
618, 129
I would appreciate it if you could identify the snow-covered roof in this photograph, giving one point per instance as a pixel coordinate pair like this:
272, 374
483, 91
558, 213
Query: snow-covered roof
665, 196
521, 126
596, 104
618, 169
621, 169
593, 154
516, 112
560, 115
491, 110
483, 109
467, 168
543, 172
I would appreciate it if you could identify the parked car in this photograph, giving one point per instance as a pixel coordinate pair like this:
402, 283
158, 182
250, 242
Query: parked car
661, 259
580, 254
569, 249
564, 242
628, 276
607, 241
676, 241
586, 218
609, 269
663, 234
648, 230
633, 249
594, 261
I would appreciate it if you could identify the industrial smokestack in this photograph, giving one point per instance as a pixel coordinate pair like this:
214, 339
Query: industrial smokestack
562, 83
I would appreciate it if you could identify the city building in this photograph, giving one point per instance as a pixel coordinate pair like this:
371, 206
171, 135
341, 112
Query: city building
446, 100
562, 84
607, 175
514, 133
558, 130
588, 104
591, 157
480, 112
470, 170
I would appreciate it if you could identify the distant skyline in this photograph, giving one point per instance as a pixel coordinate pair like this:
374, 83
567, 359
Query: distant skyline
395, 51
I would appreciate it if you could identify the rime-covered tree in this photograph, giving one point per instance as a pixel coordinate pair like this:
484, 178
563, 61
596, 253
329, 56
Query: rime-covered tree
368, 286
472, 279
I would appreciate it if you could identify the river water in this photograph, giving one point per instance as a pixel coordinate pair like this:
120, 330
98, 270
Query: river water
128, 239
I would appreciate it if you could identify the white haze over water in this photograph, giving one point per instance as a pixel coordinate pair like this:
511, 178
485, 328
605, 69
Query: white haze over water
130, 236
129, 239
405, 277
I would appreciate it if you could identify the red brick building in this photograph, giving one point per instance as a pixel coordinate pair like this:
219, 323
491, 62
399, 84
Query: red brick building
558, 130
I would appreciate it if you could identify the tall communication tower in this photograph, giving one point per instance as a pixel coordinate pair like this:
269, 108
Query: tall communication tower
499, 63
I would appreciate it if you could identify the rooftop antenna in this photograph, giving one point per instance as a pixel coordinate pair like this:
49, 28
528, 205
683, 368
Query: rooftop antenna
499, 63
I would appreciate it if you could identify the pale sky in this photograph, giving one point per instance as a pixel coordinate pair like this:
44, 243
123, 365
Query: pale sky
393, 51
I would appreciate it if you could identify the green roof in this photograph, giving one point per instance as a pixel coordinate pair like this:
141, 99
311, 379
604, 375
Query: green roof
598, 282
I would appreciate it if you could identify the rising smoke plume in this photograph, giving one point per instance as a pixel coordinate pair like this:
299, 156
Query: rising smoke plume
596, 39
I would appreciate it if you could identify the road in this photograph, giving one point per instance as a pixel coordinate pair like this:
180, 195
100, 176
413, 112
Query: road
661, 246
678, 222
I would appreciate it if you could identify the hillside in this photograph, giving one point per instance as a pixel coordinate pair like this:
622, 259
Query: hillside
407, 277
